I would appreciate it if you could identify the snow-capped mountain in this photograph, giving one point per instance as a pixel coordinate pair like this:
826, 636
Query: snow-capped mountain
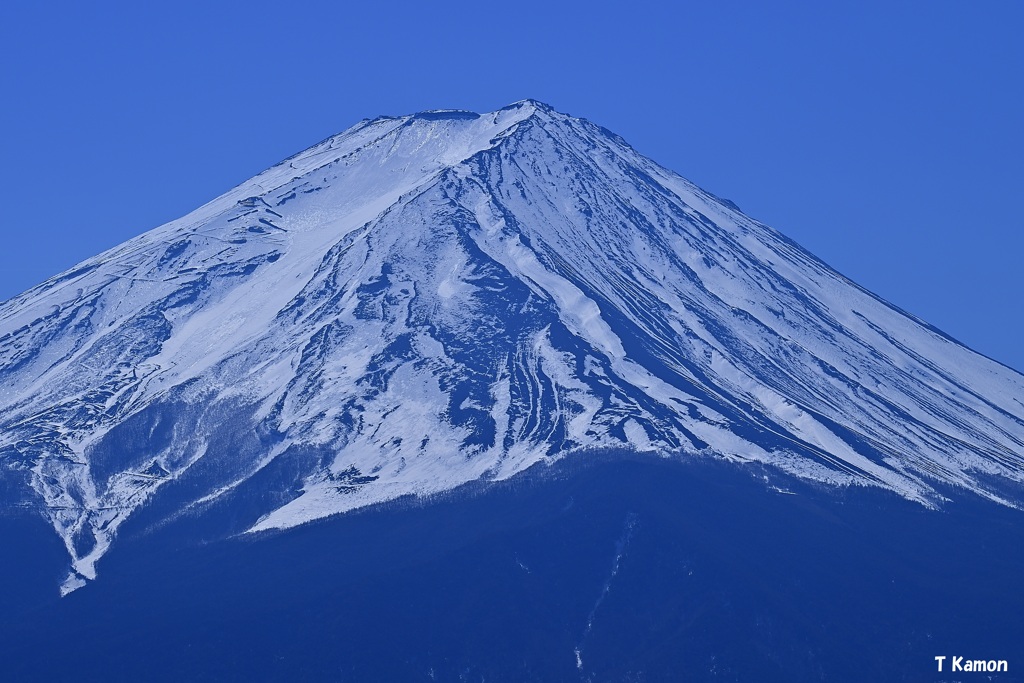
425, 301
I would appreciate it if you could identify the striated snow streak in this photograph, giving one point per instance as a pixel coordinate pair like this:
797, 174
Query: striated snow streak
620, 550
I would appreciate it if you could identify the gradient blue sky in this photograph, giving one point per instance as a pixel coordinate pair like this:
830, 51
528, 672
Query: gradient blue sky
884, 137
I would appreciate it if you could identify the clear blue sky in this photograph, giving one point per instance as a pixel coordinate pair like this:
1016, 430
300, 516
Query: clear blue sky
887, 138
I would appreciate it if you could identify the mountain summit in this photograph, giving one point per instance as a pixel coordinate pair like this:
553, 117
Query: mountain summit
425, 301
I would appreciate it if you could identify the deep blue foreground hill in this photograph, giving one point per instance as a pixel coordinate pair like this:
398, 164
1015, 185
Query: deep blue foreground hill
649, 570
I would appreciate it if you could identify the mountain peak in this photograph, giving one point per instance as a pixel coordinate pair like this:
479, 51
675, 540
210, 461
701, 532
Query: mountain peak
424, 301
526, 106
532, 104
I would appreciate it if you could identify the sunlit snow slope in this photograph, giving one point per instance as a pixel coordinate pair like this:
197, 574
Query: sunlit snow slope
428, 300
